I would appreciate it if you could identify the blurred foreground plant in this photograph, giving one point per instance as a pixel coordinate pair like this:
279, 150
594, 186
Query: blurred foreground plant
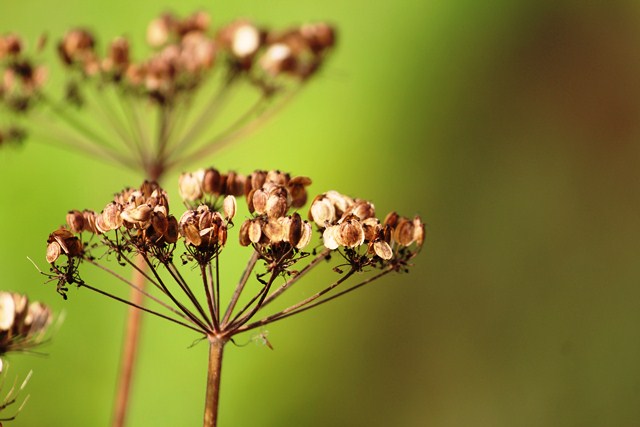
155, 113
23, 326
138, 222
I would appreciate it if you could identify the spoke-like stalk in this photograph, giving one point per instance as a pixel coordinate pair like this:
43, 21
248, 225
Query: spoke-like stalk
317, 260
206, 281
137, 288
245, 123
238, 320
243, 281
181, 306
187, 290
212, 399
305, 304
206, 117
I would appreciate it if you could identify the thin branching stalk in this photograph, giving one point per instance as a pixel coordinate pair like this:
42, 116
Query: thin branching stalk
322, 256
240, 287
206, 278
305, 304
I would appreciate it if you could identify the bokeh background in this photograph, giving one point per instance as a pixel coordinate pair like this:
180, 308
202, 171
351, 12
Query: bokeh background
511, 127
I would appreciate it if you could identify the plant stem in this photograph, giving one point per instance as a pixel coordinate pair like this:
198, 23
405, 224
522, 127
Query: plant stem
130, 348
216, 346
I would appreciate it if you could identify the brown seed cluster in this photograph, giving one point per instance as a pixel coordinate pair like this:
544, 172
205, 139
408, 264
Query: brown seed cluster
20, 78
184, 50
205, 230
22, 324
139, 221
351, 223
269, 194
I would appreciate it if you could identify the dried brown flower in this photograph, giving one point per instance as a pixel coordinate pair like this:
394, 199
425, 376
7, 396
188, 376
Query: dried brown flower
23, 325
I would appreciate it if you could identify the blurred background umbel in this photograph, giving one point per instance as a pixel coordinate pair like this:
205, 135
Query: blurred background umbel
511, 128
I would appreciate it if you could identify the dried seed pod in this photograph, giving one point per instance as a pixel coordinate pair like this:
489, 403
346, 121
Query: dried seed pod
418, 231
294, 233
298, 191
7, 311
276, 205
171, 234
277, 177
159, 30
329, 237
196, 23
244, 233
212, 182
372, 228
190, 185
391, 219
10, 45
75, 221
198, 52
362, 209
69, 243
350, 233
340, 201
138, 216
37, 318
222, 235
274, 231
21, 302
77, 45
111, 218
229, 207
160, 223
278, 58
319, 36
53, 252
305, 236
258, 178
403, 233
235, 184
259, 200
322, 211
255, 232
117, 59
382, 249
245, 40
191, 234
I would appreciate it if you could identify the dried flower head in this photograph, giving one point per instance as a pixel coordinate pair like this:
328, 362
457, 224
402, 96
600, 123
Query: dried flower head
128, 92
138, 221
23, 325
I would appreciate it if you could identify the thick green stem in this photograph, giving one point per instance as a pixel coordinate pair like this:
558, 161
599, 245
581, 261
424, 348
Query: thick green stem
216, 346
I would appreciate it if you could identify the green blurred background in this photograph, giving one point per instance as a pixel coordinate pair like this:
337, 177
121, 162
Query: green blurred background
511, 127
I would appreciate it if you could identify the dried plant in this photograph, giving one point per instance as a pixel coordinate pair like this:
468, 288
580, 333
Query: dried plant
154, 112
23, 327
138, 222
159, 112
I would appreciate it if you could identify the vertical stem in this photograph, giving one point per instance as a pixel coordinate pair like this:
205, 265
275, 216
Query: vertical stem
216, 346
130, 347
